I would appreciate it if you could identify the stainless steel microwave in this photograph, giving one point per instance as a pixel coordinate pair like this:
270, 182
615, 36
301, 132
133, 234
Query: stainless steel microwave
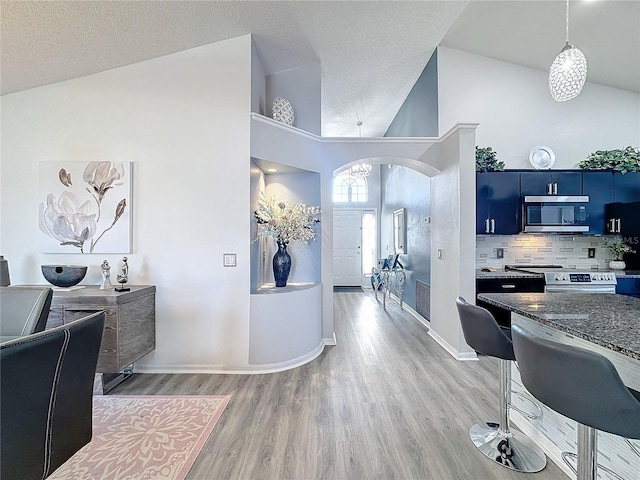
555, 213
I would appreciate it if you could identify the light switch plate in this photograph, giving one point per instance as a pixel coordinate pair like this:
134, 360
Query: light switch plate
440, 253
229, 259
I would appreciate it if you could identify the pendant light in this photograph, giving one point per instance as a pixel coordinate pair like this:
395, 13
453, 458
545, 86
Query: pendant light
568, 71
361, 169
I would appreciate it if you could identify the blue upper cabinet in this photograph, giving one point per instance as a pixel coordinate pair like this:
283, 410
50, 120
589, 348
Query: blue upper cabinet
626, 188
550, 183
498, 203
599, 187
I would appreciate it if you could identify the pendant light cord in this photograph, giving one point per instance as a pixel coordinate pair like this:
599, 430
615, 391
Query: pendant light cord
567, 22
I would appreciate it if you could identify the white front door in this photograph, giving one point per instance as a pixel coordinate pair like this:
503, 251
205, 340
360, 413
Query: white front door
347, 248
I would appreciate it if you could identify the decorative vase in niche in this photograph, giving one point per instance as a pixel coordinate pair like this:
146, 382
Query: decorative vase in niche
282, 111
617, 265
281, 265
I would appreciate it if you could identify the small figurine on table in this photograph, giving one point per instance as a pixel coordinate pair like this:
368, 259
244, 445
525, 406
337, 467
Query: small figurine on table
106, 276
123, 277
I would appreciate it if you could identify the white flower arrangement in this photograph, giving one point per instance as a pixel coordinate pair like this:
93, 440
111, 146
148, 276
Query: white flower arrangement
286, 222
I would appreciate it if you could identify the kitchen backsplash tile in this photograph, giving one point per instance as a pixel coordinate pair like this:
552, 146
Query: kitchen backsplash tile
565, 250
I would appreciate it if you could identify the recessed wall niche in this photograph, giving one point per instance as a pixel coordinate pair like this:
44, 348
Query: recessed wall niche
292, 184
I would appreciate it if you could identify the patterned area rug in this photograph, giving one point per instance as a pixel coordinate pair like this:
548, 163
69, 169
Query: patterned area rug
144, 437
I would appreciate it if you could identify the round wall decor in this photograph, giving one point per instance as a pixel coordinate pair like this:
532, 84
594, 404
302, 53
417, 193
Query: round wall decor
282, 111
542, 157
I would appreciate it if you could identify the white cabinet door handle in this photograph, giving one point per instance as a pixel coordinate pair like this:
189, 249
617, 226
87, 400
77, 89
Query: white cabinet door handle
493, 225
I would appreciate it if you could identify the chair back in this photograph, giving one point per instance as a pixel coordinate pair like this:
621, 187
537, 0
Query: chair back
23, 310
46, 391
577, 383
482, 332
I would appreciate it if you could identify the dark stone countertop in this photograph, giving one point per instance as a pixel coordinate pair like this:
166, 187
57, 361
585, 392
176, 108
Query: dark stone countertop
609, 320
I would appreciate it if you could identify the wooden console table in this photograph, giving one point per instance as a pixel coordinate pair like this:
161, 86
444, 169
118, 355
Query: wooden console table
129, 331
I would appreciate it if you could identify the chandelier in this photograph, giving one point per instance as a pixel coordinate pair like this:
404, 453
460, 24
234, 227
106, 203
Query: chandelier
361, 170
568, 71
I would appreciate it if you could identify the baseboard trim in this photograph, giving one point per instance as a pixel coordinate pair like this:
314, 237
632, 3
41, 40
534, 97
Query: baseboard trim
330, 340
461, 356
416, 315
233, 369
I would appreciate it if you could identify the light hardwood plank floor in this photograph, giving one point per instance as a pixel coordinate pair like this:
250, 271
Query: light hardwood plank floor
386, 403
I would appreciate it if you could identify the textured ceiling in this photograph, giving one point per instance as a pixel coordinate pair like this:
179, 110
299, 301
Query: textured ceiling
371, 52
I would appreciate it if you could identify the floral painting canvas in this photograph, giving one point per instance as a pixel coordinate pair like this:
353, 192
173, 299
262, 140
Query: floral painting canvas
85, 207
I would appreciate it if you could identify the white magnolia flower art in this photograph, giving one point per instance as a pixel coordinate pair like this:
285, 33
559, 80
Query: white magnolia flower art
85, 207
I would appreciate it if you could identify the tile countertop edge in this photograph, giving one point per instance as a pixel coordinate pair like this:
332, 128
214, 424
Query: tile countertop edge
498, 300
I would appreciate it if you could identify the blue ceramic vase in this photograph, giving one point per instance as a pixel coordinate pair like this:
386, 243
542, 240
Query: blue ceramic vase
281, 265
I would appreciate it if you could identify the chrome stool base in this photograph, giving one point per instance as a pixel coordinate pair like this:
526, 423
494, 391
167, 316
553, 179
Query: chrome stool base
513, 450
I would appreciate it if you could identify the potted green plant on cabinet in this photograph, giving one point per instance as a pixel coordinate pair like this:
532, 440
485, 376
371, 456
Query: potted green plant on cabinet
619, 160
487, 160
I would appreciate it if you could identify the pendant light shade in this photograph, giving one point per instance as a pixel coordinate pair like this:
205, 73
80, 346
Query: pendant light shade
568, 72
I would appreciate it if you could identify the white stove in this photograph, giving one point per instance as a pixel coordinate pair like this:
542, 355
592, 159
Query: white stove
570, 280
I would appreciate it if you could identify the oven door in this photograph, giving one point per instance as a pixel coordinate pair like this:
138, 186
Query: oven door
566, 214
580, 289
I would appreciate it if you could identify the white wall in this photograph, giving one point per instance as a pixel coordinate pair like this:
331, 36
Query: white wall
515, 111
183, 120
453, 233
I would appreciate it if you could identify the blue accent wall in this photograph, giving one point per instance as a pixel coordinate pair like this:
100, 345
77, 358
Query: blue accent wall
402, 187
418, 116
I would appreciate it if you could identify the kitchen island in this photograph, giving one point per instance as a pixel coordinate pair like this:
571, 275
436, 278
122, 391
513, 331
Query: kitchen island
608, 324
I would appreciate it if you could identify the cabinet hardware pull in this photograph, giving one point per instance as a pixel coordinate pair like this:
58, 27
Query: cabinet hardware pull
549, 189
508, 285
493, 225
486, 225
555, 188
619, 225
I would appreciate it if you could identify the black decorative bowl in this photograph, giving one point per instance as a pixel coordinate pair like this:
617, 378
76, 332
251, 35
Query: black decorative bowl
64, 275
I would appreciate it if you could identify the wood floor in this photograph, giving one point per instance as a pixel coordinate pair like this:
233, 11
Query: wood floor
386, 403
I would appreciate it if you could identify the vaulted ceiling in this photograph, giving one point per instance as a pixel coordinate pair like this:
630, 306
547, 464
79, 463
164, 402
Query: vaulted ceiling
371, 52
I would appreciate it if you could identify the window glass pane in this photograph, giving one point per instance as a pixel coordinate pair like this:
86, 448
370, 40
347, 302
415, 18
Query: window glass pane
369, 241
349, 189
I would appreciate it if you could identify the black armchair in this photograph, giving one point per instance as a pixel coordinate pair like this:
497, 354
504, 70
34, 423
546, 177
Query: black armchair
46, 388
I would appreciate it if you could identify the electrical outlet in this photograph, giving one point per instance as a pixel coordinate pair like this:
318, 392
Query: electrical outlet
499, 252
229, 260
591, 253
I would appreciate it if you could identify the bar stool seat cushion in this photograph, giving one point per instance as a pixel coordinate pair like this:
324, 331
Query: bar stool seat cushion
577, 383
482, 332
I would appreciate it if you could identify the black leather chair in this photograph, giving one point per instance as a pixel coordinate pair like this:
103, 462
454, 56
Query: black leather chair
23, 310
498, 442
581, 385
46, 389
